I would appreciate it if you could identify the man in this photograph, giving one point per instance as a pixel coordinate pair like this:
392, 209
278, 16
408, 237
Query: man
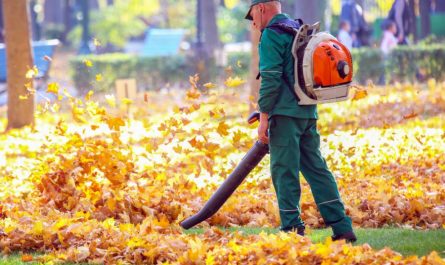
291, 129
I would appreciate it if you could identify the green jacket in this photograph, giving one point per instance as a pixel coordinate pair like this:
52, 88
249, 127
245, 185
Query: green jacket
277, 63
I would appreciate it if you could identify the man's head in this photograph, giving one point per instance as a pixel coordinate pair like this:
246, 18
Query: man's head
262, 11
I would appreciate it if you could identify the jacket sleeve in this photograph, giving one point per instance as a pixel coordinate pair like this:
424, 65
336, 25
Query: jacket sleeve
271, 52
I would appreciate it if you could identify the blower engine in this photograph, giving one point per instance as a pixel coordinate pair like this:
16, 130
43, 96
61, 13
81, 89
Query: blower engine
323, 66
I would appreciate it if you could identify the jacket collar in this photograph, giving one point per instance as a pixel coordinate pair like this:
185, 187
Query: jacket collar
277, 18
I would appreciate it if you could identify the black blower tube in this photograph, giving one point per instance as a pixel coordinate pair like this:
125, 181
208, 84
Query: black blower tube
249, 162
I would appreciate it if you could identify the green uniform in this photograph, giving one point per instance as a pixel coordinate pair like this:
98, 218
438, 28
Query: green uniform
293, 138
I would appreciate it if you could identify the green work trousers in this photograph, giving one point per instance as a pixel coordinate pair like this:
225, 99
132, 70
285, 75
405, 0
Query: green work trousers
295, 146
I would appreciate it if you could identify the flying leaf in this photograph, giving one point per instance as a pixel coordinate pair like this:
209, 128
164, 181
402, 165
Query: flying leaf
209, 85
234, 82
88, 63
111, 100
53, 88
223, 129
32, 73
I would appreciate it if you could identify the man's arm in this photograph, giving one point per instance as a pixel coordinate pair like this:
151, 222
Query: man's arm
271, 69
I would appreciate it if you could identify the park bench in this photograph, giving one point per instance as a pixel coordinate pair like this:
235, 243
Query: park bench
43, 51
162, 42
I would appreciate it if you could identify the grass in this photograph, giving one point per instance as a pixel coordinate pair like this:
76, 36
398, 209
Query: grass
405, 241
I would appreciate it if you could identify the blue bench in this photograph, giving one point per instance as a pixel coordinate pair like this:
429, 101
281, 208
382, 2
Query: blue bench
41, 50
162, 42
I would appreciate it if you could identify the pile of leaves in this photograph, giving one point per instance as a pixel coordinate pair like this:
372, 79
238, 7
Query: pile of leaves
111, 183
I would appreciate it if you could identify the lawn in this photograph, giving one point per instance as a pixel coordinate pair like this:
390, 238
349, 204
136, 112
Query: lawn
405, 241
408, 242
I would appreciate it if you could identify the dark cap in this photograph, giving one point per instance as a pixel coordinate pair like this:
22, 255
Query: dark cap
256, 2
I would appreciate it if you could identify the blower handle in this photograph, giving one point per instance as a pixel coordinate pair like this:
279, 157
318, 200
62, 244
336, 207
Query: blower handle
254, 117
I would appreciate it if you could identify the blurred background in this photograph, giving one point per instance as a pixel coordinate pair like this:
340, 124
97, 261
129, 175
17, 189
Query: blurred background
89, 44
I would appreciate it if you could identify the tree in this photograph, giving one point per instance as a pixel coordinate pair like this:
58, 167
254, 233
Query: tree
19, 61
209, 26
309, 11
207, 37
53, 11
254, 70
425, 14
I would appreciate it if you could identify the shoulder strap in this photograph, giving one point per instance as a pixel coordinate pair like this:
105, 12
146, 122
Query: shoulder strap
287, 26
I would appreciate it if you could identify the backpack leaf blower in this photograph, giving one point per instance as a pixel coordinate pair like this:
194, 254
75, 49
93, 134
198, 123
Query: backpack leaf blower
323, 74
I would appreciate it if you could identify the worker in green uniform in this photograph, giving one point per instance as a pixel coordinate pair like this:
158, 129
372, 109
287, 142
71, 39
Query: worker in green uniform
291, 129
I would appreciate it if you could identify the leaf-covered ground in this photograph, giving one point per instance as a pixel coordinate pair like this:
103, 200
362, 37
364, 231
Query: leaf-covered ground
109, 185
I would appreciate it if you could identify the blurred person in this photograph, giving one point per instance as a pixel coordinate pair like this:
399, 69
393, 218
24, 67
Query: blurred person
344, 35
353, 13
389, 41
291, 129
400, 13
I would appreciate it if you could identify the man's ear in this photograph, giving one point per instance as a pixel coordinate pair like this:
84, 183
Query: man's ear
262, 8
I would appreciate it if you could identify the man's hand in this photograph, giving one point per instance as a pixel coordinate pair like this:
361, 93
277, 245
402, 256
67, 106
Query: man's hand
262, 129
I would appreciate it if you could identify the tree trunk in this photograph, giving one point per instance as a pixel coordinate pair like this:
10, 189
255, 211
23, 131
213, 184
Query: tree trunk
67, 21
19, 60
36, 32
440, 6
425, 14
164, 13
287, 7
310, 11
93, 4
2, 37
209, 26
254, 83
53, 11
207, 37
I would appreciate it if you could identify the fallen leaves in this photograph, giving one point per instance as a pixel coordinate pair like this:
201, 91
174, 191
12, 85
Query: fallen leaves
111, 189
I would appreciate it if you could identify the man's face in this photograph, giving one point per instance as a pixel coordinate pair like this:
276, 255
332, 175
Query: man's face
257, 13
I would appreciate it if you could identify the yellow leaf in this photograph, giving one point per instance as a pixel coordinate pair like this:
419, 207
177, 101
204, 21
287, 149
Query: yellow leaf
88, 63
53, 88
360, 93
223, 129
230, 4
23, 97
162, 222
55, 107
96, 42
27, 258
37, 228
193, 94
99, 77
109, 223
111, 100
234, 82
209, 85
89, 95
31, 73
115, 123
127, 101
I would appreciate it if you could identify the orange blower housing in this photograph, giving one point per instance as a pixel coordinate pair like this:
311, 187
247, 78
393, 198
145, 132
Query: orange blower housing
332, 64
